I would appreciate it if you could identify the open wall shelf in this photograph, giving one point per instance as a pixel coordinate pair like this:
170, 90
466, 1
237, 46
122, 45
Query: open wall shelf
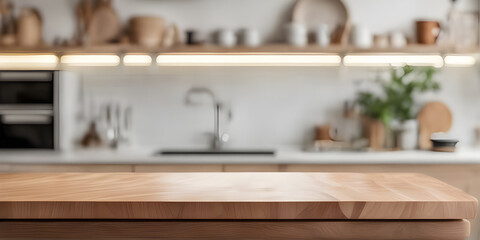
269, 48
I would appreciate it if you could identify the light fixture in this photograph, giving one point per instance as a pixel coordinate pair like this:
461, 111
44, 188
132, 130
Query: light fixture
460, 60
387, 60
137, 60
30, 61
91, 60
247, 59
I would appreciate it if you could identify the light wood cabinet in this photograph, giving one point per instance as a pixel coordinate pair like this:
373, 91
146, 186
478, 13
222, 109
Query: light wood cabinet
459, 176
4, 167
465, 177
70, 168
179, 168
473, 188
251, 168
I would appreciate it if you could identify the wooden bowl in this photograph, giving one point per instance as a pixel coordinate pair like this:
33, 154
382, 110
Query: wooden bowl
147, 31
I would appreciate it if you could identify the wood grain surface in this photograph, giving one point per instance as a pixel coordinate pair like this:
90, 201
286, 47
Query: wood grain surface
231, 196
318, 230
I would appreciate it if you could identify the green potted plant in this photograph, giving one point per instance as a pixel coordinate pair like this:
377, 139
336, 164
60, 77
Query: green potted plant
395, 102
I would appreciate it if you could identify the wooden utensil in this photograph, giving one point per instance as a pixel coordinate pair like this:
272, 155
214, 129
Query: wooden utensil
3, 14
8, 37
434, 117
84, 14
81, 26
312, 13
104, 26
171, 37
87, 11
29, 28
8, 22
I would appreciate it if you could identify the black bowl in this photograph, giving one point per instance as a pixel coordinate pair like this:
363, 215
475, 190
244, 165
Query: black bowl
444, 145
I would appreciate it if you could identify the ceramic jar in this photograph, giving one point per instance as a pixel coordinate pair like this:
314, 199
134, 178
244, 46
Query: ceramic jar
322, 35
251, 37
297, 34
227, 38
398, 40
361, 37
409, 135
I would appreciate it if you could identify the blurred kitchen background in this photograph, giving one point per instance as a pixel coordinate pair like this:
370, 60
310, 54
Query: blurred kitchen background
229, 85
268, 106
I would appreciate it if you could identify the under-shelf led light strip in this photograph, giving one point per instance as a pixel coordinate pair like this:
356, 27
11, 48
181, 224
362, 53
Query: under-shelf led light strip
20, 61
28, 61
387, 60
248, 60
137, 60
460, 60
84, 60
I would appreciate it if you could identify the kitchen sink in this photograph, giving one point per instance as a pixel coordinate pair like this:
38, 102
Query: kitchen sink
217, 152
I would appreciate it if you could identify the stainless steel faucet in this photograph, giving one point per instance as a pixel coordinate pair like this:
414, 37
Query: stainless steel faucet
218, 139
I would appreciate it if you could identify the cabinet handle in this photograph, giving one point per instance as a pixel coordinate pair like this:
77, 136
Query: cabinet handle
26, 119
26, 76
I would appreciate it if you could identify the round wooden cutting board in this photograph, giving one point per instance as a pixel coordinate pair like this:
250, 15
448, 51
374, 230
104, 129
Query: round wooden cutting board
433, 117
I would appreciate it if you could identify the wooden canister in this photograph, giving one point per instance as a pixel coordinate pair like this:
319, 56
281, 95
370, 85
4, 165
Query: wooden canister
375, 132
322, 132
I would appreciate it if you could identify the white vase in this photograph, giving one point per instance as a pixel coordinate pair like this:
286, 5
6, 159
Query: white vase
409, 135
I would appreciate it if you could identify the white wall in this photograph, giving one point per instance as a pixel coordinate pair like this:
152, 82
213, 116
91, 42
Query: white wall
271, 106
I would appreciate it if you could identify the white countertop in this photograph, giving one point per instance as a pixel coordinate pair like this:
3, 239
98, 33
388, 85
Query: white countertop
282, 156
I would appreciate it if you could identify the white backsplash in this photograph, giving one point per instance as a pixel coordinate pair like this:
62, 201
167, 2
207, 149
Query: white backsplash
271, 106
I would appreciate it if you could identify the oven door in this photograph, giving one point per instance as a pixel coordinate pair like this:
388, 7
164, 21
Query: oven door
27, 131
26, 89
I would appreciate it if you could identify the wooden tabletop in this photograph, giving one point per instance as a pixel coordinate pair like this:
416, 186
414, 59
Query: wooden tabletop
231, 196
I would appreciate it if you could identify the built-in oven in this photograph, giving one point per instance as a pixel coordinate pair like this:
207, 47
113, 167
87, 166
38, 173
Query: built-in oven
28, 109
